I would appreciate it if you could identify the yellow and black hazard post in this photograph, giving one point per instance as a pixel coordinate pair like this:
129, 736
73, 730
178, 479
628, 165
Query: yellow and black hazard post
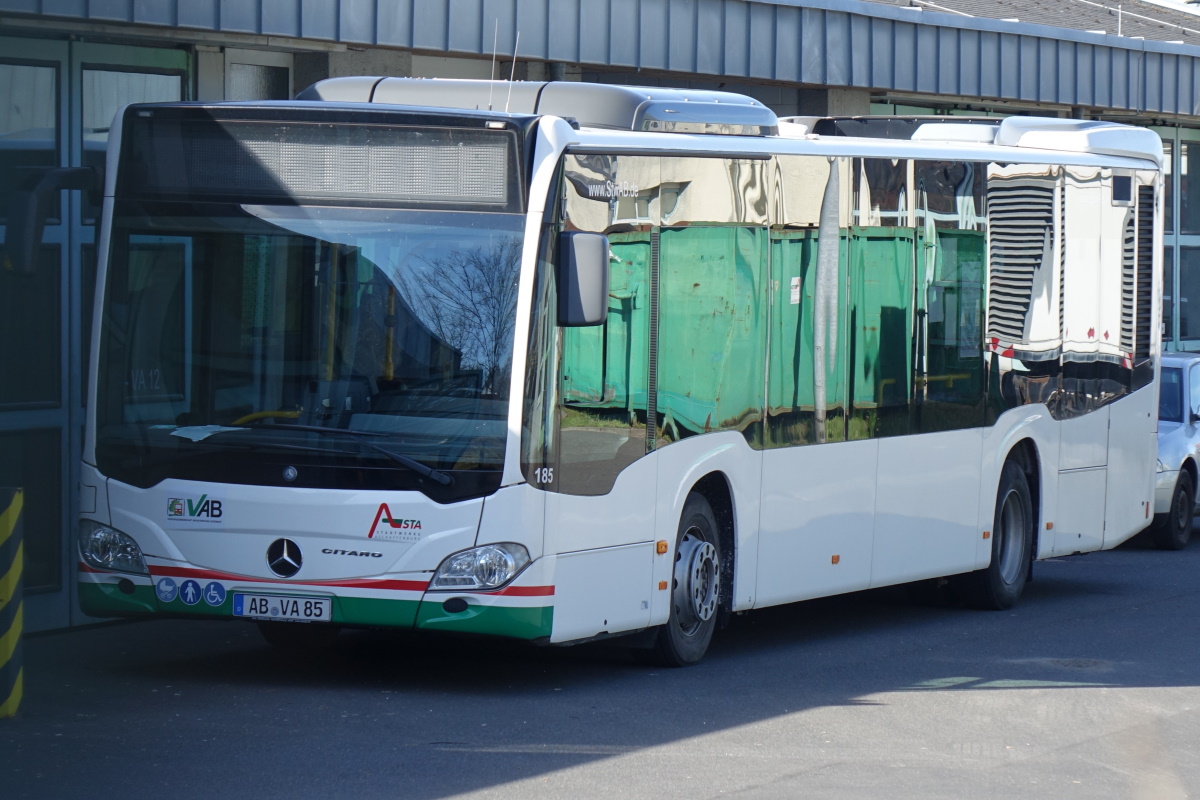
11, 560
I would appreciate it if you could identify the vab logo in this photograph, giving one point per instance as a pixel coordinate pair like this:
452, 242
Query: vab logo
202, 510
396, 530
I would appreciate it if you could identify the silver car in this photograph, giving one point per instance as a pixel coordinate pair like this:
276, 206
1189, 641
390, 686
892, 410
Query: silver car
1178, 450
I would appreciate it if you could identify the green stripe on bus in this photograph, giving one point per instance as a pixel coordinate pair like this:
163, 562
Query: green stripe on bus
373, 612
517, 623
106, 600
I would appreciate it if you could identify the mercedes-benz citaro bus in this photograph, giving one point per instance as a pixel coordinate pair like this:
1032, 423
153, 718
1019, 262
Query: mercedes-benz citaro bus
563, 361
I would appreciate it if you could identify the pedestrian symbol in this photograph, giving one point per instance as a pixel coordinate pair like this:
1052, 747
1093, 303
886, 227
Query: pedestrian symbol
190, 592
167, 590
214, 594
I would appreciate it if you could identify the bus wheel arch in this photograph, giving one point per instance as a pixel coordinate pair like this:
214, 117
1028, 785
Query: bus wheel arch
716, 490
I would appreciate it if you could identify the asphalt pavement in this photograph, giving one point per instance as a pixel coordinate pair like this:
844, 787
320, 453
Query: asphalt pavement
1088, 689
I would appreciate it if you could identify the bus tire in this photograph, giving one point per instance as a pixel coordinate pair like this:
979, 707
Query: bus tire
695, 587
299, 635
1173, 529
998, 586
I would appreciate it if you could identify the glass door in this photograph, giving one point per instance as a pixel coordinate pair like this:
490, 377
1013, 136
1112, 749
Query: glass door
57, 100
34, 413
104, 78
1181, 238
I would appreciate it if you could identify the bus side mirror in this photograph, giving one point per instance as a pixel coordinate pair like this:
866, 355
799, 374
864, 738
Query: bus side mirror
582, 279
29, 206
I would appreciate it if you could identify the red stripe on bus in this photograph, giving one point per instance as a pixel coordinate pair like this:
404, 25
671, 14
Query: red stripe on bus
352, 583
526, 591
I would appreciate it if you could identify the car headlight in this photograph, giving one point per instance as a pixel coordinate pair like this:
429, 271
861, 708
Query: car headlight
104, 548
487, 567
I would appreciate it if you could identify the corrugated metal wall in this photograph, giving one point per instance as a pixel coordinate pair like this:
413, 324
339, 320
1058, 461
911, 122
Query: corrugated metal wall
837, 43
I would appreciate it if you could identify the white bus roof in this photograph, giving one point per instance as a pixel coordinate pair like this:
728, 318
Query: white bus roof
651, 110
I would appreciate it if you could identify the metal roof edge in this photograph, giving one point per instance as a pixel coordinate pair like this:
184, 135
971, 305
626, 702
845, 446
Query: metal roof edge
945, 19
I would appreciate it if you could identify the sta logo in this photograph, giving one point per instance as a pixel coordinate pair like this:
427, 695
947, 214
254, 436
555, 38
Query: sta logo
203, 510
388, 527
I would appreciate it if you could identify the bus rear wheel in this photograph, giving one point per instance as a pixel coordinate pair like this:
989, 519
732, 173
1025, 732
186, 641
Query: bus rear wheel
695, 587
1000, 584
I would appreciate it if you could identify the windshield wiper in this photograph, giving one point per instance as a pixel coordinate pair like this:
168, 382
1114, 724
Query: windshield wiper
361, 436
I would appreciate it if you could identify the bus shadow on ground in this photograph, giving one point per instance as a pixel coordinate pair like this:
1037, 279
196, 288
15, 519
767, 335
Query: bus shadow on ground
448, 715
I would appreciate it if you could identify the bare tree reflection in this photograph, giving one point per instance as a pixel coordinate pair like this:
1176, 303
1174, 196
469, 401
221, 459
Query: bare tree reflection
467, 302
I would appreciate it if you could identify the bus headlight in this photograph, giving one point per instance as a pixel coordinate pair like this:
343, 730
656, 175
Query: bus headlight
481, 568
104, 548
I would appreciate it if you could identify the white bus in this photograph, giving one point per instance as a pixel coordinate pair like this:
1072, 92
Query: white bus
610, 360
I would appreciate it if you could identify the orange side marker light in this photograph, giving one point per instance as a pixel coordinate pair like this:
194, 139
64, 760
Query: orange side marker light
661, 547
836, 559
987, 534
662, 586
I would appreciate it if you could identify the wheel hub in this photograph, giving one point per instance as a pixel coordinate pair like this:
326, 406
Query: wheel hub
697, 582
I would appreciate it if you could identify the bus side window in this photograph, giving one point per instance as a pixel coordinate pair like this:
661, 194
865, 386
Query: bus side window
601, 382
712, 315
881, 254
948, 377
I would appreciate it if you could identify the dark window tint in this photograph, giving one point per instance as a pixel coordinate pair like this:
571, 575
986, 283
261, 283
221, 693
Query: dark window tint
258, 82
1189, 188
1168, 187
1189, 294
1170, 395
28, 123
105, 91
1168, 312
30, 332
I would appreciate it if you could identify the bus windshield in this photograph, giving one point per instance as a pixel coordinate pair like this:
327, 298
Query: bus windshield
233, 335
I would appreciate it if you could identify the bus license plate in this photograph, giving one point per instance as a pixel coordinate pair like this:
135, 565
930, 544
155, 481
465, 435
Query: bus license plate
273, 606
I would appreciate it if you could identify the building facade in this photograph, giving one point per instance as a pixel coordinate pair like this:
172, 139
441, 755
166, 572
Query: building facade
66, 66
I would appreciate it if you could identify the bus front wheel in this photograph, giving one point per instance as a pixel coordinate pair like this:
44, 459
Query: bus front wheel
999, 585
695, 587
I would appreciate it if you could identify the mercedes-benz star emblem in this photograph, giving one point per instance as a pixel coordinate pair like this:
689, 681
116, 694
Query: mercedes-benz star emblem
283, 557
